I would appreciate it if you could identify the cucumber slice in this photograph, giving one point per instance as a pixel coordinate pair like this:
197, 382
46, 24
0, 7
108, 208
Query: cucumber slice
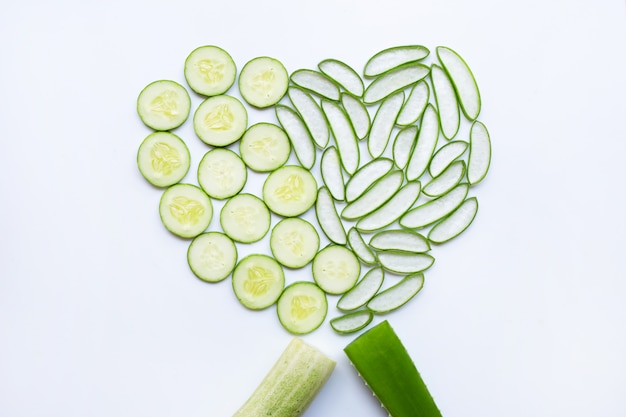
163, 159
394, 81
357, 114
258, 281
185, 210
425, 146
363, 291
345, 138
264, 147
367, 175
290, 191
263, 81
302, 307
428, 213
405, 262
163, 105
415, 104
311, 115
399, 240
315, 82
221, 173
359, 247
374, 197
403, 145
446, 181
210, 70
294, 242
392, 210
397, 295
220, 120
245, 218
383, 123
463, 81
391, 58
298, 134
342, 74
336, 269
352, 322
212, 256
449, 117
445, 156
330, 168
455, 223
480, 153
328, 218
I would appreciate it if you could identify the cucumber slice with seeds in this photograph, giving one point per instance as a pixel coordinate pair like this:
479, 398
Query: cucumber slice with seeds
405, 262
345, 138
374, 197
264, 147
367, 175
446, 181
330, 168
163, 105
455, 223
221, 173
336, 269
294, 242
397, 295
445, 156
328, 218
363, 291
392, 210
290, 191
383, 123
357, 114
298, 134
352, 322
163, 159
480, 153
425, 146
212, 256
415, 104
447, 104
403, 145
220, 120
433, 210
394, 81
463, 81
342, 74
185, 210
359, 247
245, 218
210, 70
315, 82
258, 281
302, 307
311, 115
391, 58
263, 81
399, 240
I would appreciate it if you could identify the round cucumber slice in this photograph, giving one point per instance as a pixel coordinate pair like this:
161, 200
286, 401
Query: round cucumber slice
220, 120
210, 70
212, 256
221, 173
264, 147
290, 191
302, 307
258, 281
163, 105
294, 242
336, 269
245, 218
163, 159
185, 210
263, 81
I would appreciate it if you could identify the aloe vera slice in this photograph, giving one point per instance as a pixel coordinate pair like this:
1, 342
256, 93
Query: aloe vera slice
480, 153
374, 197
316, 82
298, 134
328, 218
397, 295
359, 247
463, 81
367, 175
394, 81
455, 223
415, 104
342, 74
399, 240
445, 156
425, 146
383, 123
445, 96
352, 322
386, 367
446, 181
358, 115
345, 138
391, 58
330, 168
311, 115
403, 145
405, 262
433, 210
391, 211
363, 291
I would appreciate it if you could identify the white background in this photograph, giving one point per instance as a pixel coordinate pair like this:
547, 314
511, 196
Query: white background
522, 315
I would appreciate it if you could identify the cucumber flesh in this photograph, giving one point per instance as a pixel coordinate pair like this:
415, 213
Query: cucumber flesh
298, 134
433, 210
445, 96
445, 156
294, 242
463, 81
302, 307
352, 322
311, 115
397, 295
336, 269
480, 153
258, 281
220, 120
163, 105
345, 138
392, 210
316, 82
185, 210
446, 181
394, 81
263, 81
221, 173
363, 291
415, 104
212, 256
328, 218
425, 146
383, 123
163, 159
342, 74
210, 70
290, 191
457, 222
245, 218
391, 58
264, 147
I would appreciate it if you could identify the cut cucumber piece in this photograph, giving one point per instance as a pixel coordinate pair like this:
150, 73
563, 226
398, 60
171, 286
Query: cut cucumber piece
298, 134
405, 262
399, 240
330, 167
394, 81
212, 256
294, 242
445, 156
391, 58
363, 291
336, 269
352, 322
221, 173
245, 218
292, 383
328, 218
480, 153
163, 105
359, 247
383, 123
258, 281
185, 210
264, 147
463, 81
449, 116
315, 82
397, 295
210, 70
357, 114
220, 120
263, 81
311, 115
455, 223
345, 138
403, 145
290, 191
163, 159
367, 175
415, 104
302, 307
374, 197
446, 181
392, 210
342, 74
425, 146
431, 211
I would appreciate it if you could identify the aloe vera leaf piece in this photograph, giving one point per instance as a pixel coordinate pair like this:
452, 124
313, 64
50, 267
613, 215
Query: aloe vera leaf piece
446, 181
386, 367
352, 322
400, 240
342, 74
480, 153
394, 81
447, 104
392, 210
425, 146
363, 291
434, 210
463, 81
359, 247
374, 197
455, 223
383, 123
393, 57
358, 115
315, 82
415, 104
345, 138
405, 262
328, 218
403, 145
397, 295
298, 135
311, 115
445, 156
330, 168
366, 176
